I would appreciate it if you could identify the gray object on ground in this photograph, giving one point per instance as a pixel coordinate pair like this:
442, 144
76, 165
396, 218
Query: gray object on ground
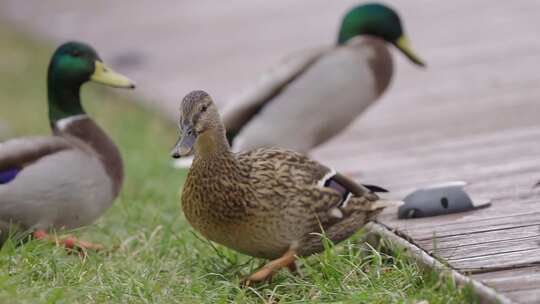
438, 199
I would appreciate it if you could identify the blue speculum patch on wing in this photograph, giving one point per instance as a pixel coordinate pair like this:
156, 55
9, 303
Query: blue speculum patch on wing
331, 183
8, 175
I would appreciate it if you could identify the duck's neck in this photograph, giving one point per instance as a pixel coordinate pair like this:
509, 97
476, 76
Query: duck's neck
67, 117
85, 129
212, 143
64, 99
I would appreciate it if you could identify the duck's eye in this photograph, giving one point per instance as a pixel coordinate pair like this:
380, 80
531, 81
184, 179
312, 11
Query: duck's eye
204, 108
75, 53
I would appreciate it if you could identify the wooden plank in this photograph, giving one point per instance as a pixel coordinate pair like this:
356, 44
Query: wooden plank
480, 238
484, 177
509, 202
530, 296
437, 162
486, 293
490, 262
486, 249
511, 186
499, 210
433, 139
398, 143
478, 165
509, 273
422, 168
466, 143
491, 179
512, 279
474, 227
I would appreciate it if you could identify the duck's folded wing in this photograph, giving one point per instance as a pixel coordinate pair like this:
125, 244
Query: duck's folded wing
295, 168
313, 172
285, 166
241, 109
344, 189
15, 154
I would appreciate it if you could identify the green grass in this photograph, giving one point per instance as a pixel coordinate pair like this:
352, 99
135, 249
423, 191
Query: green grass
152, 255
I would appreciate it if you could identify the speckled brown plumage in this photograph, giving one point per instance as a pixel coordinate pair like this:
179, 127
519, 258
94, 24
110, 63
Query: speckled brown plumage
268, 201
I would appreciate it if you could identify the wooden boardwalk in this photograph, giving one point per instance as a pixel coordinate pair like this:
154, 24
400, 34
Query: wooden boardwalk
472, 117
473, 114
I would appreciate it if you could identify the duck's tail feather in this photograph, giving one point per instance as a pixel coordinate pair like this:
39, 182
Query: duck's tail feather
374, 188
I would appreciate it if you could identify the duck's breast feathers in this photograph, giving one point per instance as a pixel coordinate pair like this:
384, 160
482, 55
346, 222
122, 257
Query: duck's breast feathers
378, 57
244, 107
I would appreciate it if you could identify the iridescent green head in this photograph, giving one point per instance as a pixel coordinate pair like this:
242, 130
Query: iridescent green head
376, 20
73, 64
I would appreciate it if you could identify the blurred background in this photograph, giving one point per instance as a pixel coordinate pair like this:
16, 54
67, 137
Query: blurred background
480, 55
172, 47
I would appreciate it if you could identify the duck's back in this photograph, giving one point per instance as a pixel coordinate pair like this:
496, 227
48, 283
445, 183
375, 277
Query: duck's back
321, 102
270, 167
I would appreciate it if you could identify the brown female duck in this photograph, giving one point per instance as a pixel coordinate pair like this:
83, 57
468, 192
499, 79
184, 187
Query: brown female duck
268, 203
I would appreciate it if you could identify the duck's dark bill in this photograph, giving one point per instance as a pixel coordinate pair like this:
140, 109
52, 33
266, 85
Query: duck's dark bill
184, 145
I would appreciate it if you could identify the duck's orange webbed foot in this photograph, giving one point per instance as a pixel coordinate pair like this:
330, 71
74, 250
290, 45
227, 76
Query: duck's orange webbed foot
69, 242
268, 270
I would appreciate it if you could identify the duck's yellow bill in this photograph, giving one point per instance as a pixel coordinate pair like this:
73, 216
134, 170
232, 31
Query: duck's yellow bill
404, 46
105, 75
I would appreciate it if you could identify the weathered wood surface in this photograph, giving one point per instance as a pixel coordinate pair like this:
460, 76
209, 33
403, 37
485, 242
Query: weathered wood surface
473, 114
485, 293
518, 284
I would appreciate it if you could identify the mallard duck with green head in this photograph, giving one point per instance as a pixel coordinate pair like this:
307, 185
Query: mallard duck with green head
312, 96
269, 203
69, 179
